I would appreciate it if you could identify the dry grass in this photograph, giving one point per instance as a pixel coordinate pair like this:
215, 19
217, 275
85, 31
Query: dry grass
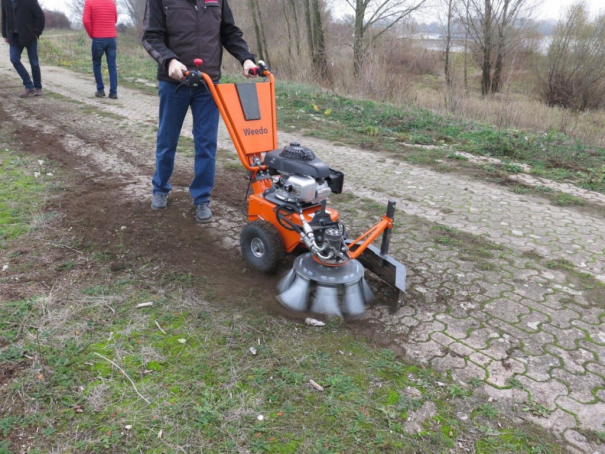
511, 110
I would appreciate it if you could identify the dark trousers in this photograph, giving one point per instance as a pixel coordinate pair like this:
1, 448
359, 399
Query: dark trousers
107, 47
173, 108
16, 49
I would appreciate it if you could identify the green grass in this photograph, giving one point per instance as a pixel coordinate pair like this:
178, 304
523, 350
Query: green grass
22, 194
206, 388
373, 125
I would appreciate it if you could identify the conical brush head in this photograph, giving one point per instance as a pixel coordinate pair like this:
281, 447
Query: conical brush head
325, 301
368, 296
353, 305
296, 296
286, 281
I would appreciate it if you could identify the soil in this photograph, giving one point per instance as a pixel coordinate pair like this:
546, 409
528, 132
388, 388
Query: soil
95, 211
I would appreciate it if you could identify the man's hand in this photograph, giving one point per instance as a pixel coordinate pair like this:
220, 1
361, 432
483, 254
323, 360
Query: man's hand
248, 65
6, 40
175, 70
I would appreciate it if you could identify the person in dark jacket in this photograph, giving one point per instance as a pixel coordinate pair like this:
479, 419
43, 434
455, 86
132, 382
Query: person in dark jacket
22, 25
176, 33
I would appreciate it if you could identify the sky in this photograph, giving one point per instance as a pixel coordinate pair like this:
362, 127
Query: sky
551, 9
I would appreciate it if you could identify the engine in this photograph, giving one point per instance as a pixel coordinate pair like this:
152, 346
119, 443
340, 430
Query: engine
300, 177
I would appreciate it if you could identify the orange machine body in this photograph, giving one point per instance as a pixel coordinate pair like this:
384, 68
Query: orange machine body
253, 138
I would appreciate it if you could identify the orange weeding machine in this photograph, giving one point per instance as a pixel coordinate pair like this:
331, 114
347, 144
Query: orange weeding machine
287, 209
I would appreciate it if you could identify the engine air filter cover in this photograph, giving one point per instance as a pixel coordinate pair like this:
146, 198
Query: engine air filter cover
298, 153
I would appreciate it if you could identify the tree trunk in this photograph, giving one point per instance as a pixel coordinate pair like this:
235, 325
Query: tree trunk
486, 79
466, 49
296, 26
320, 62
309, 24
502, 33
259, 43
262, 34
448, 42
289, 30
358, 39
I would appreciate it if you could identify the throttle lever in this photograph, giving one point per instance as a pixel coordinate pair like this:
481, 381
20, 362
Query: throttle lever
193, 77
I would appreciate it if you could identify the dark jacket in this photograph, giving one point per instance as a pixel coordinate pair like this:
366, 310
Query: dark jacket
190, 29
28, 21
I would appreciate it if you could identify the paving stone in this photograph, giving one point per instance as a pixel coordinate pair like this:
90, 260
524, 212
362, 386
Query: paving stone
579, 441
469, 371
425, 351
479, 339
501, 371
480, 359
583, 387
517, 396
538, 367
457, 328
544, 393
447, 363
506, 310
566, 338
596, 334
441, 338
557, 422
573, 361
590, 417
532, 321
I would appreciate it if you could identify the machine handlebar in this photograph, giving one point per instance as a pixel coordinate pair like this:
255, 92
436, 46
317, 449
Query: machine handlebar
261, 69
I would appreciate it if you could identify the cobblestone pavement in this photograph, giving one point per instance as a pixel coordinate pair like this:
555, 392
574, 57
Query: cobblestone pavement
503, 287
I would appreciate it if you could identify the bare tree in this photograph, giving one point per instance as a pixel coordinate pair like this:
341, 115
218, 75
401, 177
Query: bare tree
575, 76
134, 9
380, 15
494, 26
447, 23
77, 11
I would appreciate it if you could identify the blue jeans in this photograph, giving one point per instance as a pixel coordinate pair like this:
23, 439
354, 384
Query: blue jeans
173, 108
16, 49
109, 47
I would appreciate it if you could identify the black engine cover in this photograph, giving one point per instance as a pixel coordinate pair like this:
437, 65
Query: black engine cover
297, 160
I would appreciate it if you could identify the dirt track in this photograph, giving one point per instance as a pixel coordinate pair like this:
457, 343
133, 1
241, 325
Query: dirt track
506, 316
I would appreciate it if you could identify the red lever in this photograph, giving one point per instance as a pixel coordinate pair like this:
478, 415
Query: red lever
198, 62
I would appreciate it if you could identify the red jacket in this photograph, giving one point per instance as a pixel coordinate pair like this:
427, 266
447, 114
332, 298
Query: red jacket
100, 17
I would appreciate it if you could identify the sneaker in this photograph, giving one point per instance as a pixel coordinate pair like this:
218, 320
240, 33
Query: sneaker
27, 92
113, 96
203, 215
99, 94
160, 201
38, 92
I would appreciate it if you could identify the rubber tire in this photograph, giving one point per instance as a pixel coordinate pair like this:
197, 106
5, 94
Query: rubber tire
272, 242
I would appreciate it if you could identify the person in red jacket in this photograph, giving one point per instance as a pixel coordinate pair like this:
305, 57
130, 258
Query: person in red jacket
99, 19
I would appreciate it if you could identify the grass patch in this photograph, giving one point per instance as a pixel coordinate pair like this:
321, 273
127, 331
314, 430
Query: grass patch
25, 183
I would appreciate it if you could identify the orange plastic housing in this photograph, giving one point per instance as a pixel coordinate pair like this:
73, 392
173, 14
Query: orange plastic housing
254, 138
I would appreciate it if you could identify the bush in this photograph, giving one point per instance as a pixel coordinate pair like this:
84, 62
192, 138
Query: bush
56, 19
575, 77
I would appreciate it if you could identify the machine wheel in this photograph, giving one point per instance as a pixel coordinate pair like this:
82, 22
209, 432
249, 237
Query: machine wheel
262, 246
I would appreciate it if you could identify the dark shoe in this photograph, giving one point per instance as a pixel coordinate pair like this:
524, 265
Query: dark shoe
113, 96
160, 201
99, 94
27, 92
38, 92
203, 215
